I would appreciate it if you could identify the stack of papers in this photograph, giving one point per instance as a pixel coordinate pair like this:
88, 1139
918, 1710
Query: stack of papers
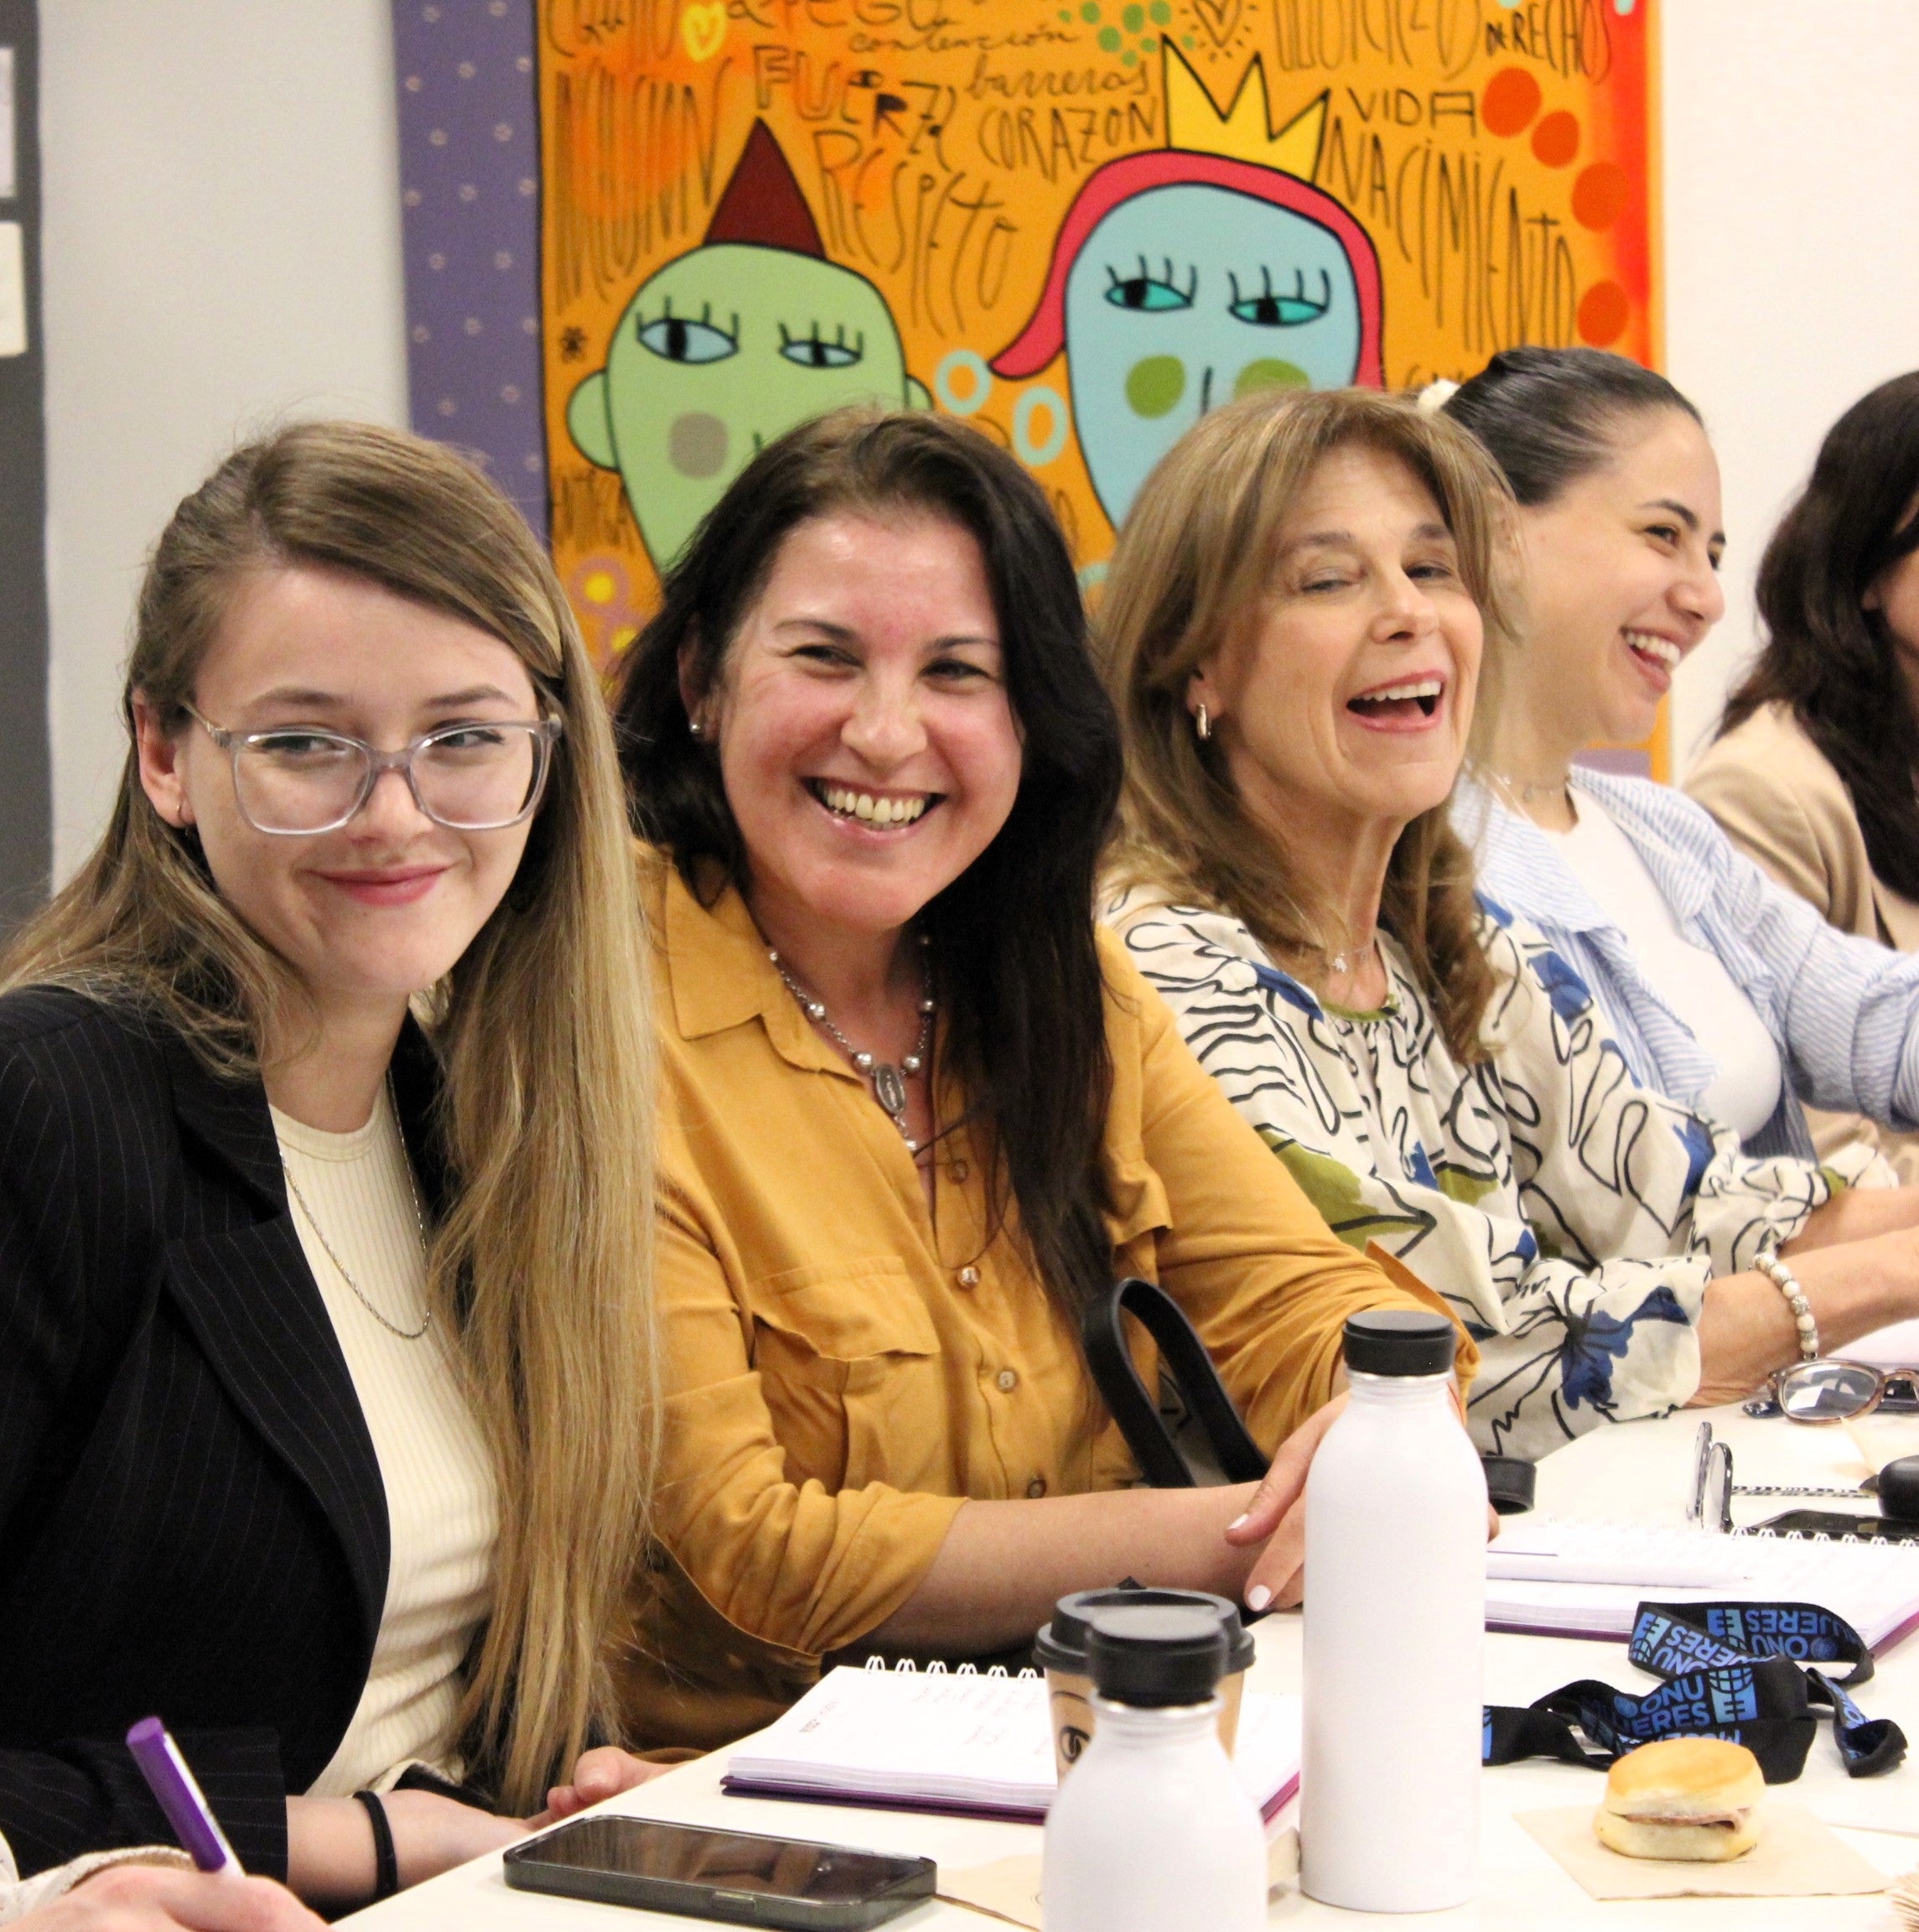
957, 1741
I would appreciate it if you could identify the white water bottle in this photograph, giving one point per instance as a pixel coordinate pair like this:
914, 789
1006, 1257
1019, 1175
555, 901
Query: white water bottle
1152, 1831
1395, 1629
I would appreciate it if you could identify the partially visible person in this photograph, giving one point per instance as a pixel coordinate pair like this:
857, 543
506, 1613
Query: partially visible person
1305, 608
1722, 989
918, 1113
1813, 772
325, 1368
145, 1888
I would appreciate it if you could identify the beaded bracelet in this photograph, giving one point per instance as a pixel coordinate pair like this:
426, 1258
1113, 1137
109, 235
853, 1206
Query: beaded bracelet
1787, 1283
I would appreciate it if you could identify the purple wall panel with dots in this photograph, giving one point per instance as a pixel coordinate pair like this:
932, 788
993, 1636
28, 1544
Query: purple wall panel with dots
469, 166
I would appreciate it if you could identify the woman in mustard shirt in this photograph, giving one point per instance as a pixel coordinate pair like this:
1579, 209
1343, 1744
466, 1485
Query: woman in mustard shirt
916, 1114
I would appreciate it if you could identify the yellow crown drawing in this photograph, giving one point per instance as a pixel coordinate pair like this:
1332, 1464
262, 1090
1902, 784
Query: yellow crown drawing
1244, 130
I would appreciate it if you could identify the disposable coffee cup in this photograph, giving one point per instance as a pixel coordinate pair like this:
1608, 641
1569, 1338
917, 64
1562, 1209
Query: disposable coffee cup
1061, 1647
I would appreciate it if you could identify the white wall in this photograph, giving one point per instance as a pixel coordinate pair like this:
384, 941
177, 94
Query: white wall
1791, 255
222, 229
222, 225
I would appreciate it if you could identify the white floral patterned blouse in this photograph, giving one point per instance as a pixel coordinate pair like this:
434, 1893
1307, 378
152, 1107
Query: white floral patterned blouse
1572, 1217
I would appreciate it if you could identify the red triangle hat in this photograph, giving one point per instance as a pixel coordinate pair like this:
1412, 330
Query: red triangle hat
763, 204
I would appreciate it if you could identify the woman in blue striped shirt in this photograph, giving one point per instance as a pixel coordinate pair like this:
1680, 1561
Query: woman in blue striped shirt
1722, 989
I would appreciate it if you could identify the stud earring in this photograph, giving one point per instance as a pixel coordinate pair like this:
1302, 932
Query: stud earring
1202, 724
695, 728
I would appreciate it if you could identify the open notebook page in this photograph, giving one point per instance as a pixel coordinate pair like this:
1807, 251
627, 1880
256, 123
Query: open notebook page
961, 1741
1874, 1586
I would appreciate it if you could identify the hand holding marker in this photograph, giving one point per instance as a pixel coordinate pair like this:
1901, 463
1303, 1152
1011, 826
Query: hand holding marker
180, 1797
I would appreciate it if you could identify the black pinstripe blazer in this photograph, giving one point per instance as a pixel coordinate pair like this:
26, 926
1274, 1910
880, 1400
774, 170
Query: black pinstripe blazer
192, 1519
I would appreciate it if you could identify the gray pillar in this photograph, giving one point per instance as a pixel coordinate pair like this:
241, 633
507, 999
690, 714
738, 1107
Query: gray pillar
26, 801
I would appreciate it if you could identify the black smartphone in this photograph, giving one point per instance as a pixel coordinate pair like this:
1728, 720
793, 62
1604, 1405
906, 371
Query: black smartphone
737, 1876
1854, 1529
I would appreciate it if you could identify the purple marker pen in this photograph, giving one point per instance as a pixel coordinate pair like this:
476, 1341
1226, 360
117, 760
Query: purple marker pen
181, 1798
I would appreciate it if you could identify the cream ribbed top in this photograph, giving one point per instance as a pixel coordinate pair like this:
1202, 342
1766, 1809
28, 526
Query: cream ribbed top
441, 1507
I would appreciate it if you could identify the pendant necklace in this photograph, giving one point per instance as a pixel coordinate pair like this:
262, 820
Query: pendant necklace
1523, 792
1340, 961
889, 1081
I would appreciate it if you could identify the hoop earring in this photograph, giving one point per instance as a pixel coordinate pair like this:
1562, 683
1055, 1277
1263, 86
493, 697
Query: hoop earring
1202, 724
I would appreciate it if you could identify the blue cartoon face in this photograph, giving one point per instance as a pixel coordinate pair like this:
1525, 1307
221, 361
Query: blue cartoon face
1185, 296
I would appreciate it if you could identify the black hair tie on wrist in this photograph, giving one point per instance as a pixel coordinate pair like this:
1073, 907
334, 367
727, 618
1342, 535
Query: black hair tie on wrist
385, 1859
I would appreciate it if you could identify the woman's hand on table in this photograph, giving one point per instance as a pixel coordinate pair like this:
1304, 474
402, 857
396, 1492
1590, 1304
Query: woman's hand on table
329, 1842
599, 1774
149, 1898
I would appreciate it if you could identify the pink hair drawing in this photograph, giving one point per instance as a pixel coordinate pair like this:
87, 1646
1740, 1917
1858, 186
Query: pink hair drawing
1044, 334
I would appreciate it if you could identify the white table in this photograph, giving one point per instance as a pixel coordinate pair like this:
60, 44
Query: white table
1637, 1472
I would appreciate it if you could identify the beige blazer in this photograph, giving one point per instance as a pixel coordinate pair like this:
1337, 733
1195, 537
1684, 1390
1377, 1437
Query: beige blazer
1780, 800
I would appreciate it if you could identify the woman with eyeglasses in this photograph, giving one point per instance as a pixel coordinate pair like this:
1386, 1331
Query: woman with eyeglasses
325, 1421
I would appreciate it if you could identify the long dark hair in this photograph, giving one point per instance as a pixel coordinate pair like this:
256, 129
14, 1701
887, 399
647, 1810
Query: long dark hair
1831, 660
1551, 416
1015, 967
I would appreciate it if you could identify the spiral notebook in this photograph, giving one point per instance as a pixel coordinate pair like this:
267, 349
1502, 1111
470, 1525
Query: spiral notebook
1610, 1568
980, 1743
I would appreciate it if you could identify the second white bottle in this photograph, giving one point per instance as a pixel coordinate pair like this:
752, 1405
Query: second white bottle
1395, 1631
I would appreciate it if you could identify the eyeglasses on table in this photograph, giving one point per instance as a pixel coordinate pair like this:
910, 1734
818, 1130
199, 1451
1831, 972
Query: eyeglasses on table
1830, 1390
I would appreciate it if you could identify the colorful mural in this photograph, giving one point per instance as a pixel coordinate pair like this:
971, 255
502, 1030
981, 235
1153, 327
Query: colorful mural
1077, 224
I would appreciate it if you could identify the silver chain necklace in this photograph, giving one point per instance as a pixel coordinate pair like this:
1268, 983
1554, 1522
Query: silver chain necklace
889, 1081
419, 1221
1524, 791
1342, 963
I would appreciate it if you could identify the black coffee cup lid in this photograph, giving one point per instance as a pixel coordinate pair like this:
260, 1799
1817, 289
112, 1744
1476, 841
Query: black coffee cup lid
1155, 1655
1061, 1645
1399, 1342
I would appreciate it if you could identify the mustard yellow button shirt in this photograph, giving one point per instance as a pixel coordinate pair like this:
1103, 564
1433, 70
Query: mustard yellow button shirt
844, 1369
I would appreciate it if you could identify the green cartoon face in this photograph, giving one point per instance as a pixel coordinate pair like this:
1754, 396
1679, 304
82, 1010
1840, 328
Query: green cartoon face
719, 352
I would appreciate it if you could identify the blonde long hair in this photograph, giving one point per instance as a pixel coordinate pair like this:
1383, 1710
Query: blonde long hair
1192, 568
542, 1266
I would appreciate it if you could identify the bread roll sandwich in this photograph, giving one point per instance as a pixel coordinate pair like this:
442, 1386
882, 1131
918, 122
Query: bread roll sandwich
1683, 1798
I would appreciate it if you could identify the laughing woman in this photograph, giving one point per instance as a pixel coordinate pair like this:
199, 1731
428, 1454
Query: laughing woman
1302, 609
917, 1113
1722, 988
324, 1202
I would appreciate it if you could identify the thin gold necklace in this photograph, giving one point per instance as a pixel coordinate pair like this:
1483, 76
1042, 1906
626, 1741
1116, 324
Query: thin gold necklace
359, 1295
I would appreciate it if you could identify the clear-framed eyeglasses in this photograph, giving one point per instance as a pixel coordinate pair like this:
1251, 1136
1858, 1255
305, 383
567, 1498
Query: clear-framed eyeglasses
1831, 1390
480, 776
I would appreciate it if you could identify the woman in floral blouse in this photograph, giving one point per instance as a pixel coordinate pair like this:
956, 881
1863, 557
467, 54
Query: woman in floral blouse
1305, 604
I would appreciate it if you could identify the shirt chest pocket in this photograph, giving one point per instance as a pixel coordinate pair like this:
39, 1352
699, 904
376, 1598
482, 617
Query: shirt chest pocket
850, 1365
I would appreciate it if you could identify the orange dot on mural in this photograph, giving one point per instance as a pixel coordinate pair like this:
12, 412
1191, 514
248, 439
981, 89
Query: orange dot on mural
1510, 100
1599, 194
1556, 140
1604, 310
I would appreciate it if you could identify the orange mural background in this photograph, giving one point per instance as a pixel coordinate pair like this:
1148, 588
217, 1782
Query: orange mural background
1498, 159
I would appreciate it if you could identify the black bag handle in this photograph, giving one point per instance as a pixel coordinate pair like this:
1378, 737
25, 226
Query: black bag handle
1133, 1406
1509, 1478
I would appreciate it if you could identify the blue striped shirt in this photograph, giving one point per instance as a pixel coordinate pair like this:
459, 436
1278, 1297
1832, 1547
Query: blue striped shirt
1843, 1011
